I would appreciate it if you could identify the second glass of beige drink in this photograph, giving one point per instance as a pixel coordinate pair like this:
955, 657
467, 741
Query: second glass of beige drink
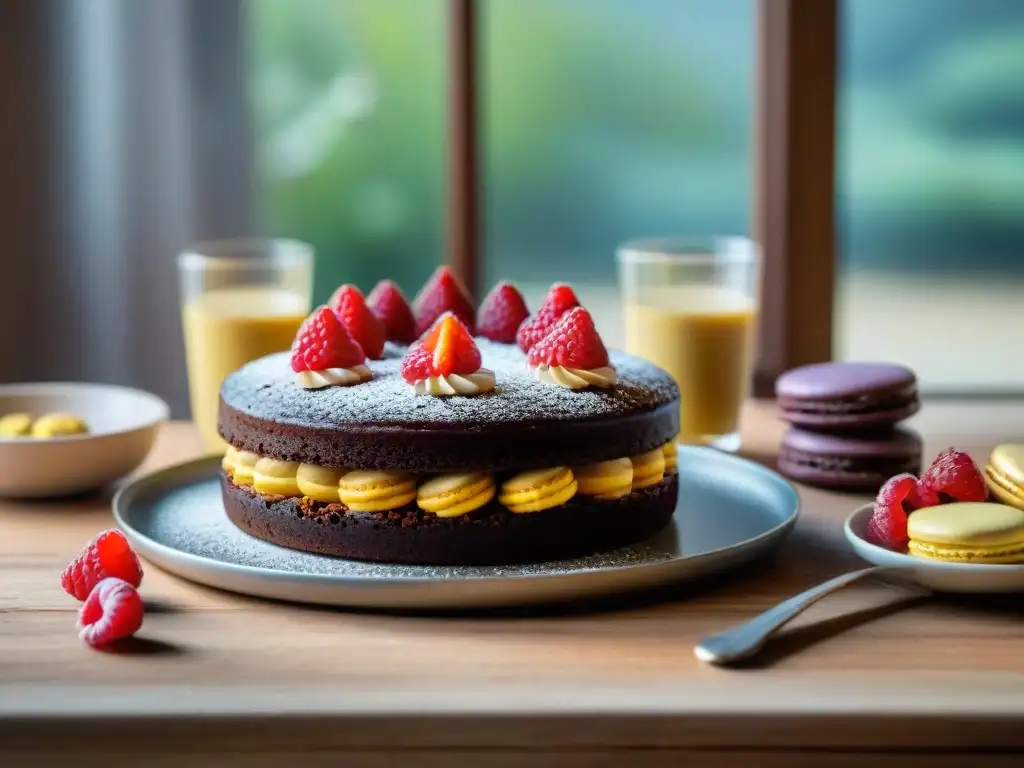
690, 307
241, 299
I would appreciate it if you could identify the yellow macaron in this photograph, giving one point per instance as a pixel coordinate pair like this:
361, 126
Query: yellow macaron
276, 478
968, 532
456, 494
243, 467
648, 468
319, 483
367, 490
15, 425
58, 425
671, 453
538, 489
1004, 474
228, 462
605, 479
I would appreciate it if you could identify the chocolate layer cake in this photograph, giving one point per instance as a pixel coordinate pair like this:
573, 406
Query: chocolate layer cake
522, 425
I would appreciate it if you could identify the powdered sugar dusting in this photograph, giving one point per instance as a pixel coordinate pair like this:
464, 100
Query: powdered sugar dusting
191, 519
266, 389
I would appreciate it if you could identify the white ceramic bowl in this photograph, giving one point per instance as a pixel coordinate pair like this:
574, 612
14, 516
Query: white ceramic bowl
934, 574
123, 424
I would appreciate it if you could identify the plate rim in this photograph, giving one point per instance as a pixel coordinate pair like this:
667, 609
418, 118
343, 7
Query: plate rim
889, 558
126, 493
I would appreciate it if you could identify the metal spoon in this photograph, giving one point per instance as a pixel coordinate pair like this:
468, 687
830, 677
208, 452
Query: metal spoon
745, 640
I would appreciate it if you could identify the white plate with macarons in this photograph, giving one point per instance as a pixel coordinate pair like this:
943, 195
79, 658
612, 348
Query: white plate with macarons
44, 451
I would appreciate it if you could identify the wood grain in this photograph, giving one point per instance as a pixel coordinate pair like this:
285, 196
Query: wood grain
872, 670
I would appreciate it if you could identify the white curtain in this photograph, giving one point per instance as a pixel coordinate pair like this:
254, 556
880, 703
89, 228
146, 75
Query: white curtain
125, 136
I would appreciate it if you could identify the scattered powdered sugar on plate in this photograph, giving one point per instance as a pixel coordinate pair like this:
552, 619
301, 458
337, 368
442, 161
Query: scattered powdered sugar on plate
190, 518
266, 388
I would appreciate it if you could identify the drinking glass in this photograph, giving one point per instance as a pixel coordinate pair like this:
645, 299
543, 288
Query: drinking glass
691, 307
240, 300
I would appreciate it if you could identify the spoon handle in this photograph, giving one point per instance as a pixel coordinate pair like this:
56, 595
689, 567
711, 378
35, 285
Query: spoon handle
745, 640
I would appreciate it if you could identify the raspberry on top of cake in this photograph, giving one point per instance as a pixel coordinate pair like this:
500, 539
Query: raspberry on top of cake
502, 312
572, 354
443, 293
446, 361
323, 354
559, 300
361, 323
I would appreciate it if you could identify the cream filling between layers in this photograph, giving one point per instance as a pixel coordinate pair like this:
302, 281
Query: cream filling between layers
450, 495
333, 377
469, 384
575, 378
276, 478
243, 467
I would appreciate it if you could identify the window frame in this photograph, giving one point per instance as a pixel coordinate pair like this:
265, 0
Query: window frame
794, 174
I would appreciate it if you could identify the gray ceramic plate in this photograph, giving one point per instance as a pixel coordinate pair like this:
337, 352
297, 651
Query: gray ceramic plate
730, 512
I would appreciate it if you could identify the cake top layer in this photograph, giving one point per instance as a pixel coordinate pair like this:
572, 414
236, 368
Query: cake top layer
266, 389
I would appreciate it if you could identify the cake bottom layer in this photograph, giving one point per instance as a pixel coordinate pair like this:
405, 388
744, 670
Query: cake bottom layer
489, 536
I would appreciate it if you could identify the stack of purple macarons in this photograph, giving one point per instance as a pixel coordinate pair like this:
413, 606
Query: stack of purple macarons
844, 419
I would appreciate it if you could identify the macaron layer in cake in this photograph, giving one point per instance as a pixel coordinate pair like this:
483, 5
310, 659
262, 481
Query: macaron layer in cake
490, 535
522, 470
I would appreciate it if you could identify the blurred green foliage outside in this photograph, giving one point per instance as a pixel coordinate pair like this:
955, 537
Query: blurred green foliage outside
606, 120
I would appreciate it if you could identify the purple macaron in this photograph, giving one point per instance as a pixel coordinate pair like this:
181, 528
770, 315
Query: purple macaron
844, 397
846, 462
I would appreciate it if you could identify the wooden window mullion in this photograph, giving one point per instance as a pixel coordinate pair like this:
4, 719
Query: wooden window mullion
795, 183
464, 187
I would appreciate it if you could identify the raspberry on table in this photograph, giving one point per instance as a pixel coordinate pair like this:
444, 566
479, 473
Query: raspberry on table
362, 325
322, 343
573, 343
442, 293
108, 555
389, 304
501, 313
112, 611
560, 299
953, 476
888, 524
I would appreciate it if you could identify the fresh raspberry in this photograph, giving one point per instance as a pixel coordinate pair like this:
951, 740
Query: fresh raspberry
501, 313
448, 348
572, 343
108, 554
888, 525
113, 611
922, 496
442, 293
560, 299
953, 476
388, 303
362, 325
322, 342
417, 364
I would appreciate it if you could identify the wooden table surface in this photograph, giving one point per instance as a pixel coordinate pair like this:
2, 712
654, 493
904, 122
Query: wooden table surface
874, 674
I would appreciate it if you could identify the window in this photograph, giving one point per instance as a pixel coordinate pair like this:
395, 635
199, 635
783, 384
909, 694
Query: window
605, 121
930, 193
349, 103
601, 121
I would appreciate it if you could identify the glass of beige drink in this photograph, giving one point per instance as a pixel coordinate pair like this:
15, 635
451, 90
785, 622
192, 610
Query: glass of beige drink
690, 307
241, 299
